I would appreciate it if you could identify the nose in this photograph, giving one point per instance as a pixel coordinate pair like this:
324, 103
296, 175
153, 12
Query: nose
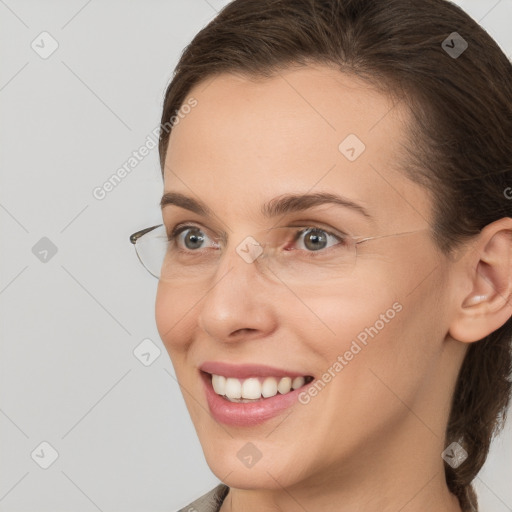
240, 303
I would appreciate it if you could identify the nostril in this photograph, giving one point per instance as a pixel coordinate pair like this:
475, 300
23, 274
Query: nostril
245, 330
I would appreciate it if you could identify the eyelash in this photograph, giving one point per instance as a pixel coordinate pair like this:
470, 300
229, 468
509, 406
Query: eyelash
180, 228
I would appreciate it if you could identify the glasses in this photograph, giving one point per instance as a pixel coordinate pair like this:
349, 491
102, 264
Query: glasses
293, 254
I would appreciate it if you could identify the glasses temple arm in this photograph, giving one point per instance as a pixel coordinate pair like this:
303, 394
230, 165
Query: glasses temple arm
136, 236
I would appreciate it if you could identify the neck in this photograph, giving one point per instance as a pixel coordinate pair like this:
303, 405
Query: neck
434, 495
407, 476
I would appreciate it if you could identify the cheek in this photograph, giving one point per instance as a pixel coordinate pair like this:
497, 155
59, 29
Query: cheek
383, 345
377, 325
353, 312
174, 312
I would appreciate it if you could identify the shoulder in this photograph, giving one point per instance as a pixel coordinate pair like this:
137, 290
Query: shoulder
209, 502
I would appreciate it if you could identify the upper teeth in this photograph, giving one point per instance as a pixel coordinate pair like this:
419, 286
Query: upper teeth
252, 388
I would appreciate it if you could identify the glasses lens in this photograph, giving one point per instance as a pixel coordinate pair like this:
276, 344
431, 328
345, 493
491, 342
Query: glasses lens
307, 256
293, 255
151, 248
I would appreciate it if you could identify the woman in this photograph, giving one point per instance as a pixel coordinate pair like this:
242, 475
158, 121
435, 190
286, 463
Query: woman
335, 293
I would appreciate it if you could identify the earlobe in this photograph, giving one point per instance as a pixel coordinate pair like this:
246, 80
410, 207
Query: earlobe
488, 274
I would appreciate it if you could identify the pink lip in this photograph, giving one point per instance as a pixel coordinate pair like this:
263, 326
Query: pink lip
244, 371
246, 414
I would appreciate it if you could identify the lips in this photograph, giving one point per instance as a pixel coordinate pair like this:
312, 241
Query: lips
247, 412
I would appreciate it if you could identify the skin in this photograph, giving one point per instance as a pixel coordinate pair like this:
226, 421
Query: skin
371, 439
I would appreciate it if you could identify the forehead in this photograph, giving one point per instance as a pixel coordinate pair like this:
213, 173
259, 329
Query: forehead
249, 139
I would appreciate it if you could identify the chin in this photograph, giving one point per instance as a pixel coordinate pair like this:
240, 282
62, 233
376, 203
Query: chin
274, 470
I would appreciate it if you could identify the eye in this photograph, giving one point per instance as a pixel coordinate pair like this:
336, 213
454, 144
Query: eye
309, 239
192, 237
316, 239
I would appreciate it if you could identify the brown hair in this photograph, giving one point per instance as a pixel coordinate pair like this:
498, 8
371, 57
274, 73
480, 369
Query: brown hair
459, 145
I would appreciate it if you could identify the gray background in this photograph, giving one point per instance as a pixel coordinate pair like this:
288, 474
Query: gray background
71, 320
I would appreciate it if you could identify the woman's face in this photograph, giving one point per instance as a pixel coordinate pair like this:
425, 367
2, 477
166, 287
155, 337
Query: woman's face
376, 327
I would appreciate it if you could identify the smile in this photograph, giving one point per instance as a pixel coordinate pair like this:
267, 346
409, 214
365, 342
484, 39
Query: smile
249, 395
255, 388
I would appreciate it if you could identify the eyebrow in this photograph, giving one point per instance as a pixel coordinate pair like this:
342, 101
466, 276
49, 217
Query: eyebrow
286, 203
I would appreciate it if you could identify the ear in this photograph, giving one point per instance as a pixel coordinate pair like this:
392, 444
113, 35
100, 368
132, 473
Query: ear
485, 270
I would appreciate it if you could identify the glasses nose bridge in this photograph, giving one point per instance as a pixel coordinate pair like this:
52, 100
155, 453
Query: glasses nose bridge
241, 255
267, 249
252, 248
